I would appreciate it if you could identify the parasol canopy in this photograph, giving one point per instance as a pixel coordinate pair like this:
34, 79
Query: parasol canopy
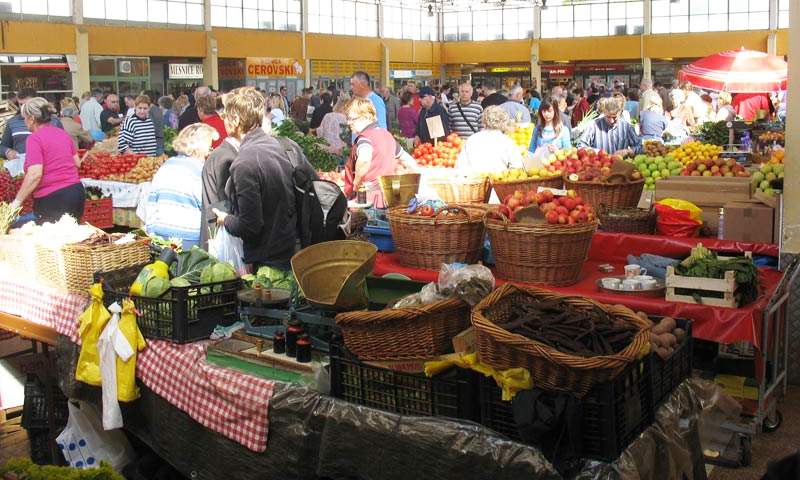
737, 71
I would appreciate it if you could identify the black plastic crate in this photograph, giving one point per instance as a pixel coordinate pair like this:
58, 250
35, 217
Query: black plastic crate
451, 394
613, 413
668, 374
35, 409
183, 314
44, 450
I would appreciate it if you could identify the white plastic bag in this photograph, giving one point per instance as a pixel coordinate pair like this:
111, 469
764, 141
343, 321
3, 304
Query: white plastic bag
228, 248
85, 444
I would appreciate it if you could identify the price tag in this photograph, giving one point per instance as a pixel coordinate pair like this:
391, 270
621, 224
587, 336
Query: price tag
435, 127
558, 192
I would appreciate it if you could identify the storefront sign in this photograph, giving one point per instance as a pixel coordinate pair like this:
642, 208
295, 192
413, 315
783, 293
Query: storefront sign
514, 68
559, 71
402, 74
231, 69
185, 71
423, 73
265, 67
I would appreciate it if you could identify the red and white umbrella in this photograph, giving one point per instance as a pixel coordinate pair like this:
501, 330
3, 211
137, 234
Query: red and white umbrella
737, 71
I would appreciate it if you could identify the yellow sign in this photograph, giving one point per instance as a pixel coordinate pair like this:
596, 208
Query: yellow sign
273, 67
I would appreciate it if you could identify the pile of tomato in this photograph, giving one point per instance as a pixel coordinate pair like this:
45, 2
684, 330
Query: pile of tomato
8, 185
99, 165
443, 154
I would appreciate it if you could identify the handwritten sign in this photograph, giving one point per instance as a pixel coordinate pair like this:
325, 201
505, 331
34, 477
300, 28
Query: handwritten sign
435, 127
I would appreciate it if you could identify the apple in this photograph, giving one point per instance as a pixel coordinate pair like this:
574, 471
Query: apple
701, 168
707, 173
562, 210
583, 216
696, 173
578, 201
562, 219
569, 203
513, 203
571, 221
551, 217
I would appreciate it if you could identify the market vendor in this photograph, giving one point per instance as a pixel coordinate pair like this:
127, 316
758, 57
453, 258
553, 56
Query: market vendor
175, 201
138, 133
51, 166
491, 150
375, 153
609, 132
430, 109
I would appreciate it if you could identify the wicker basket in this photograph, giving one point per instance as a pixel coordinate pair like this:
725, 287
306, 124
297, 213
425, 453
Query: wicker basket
428, 242
540, 253
612, 195
72, 267
18, 253
550, 369
508, 188
404, 333
627, 220
462, 191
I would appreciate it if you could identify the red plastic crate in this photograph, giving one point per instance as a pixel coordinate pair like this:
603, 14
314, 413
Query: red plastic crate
99, 213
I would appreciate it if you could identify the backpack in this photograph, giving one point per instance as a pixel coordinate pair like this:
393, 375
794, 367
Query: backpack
320, 205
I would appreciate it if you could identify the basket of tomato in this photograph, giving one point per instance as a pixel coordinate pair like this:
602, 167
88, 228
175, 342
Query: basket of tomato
442, 154
98, 209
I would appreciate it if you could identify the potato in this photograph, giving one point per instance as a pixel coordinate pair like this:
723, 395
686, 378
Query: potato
669, 339
664, 353
656, 340
666, 325
680, 334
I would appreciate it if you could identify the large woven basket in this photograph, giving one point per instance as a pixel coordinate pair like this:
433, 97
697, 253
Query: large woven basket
612, 195
462, 191
540, 253
627, 220
404, 333
428, 242
550, 369
72, 267
18, 252
504, 189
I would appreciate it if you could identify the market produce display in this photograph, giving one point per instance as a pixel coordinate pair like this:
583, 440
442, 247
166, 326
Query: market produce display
665, 336
696, 152
762, 177
772, 137
94, 193
313, 146
7, 216
718, 167
443, 154
654, 168
8, 185
557, 324
555, 210
522, 136
586, 165
654, 148
704, 263
714, 133
516, 174
129, 168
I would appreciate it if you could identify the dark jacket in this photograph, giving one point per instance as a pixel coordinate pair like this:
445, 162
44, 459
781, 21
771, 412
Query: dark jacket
188, 117
494, 100
319, 114
263, 202
216, 172
16, 134
422, 126
158, 124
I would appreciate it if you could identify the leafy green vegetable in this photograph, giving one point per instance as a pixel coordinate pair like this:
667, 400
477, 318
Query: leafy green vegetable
169, 137
321, 159
179, 282
24, 468
704, 263
268, 277
715, 133
155, 287
190, 264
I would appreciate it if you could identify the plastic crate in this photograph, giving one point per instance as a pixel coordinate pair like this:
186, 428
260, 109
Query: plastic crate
183, 314
613, 413
381, 237
35, 409
668, 374
44, 450
99, 213
451, 394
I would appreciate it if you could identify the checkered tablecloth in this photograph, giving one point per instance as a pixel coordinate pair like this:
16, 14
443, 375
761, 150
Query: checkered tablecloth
40, 304
231, 403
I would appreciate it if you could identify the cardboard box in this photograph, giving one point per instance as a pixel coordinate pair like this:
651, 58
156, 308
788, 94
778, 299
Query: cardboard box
466, 341
748, 222
708, 191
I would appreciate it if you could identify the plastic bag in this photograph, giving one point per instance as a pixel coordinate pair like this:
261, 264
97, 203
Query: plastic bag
85, 444
678, 218
468, 282
228, 248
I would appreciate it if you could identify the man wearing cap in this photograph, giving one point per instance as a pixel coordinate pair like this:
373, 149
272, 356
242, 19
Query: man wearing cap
430, 109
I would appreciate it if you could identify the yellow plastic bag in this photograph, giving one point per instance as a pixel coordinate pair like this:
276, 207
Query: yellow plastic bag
695, 213
92, 322
510, 381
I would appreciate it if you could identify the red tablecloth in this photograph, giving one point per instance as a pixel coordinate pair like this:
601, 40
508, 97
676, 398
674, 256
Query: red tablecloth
724, 325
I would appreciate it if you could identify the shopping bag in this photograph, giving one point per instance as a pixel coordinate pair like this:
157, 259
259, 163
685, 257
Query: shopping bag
674, 221
85, 444
228, 248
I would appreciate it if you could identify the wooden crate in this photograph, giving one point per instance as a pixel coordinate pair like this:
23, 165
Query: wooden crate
726, 286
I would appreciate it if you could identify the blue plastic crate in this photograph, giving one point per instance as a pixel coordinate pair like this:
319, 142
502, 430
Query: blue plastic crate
381, 237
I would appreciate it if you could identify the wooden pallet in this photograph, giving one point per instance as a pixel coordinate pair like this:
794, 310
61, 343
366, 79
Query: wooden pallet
726, 286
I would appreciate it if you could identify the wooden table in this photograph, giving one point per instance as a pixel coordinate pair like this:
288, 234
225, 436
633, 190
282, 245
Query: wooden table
28, 329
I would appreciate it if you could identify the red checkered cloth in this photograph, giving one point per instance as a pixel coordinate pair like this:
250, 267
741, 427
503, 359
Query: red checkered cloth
226, 401
40, 304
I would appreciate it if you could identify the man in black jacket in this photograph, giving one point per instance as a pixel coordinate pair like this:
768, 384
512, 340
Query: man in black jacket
190, 115
430, 108
261, 189
216, 172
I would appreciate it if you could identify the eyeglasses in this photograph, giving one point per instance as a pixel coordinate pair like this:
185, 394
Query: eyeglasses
353, 119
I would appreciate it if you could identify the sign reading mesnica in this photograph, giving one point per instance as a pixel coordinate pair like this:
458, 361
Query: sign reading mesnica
185, 71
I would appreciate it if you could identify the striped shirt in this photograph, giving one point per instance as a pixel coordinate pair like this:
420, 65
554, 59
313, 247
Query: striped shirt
600, 135
174, 205
458, 122
138, 135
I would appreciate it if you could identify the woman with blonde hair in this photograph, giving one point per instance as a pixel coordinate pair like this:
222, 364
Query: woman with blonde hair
725, 111
491, 150
261, 189
274, 112
174, 205
332, 123
375, 153
51, 166
180, 105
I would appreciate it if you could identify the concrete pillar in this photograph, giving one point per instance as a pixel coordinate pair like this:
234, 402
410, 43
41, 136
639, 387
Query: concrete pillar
211, 62
773, 15
791, 192
772, 43
77, 12
536, 67
303, 33
380, 20
80, 77
385, 64
647, 69
647, 10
